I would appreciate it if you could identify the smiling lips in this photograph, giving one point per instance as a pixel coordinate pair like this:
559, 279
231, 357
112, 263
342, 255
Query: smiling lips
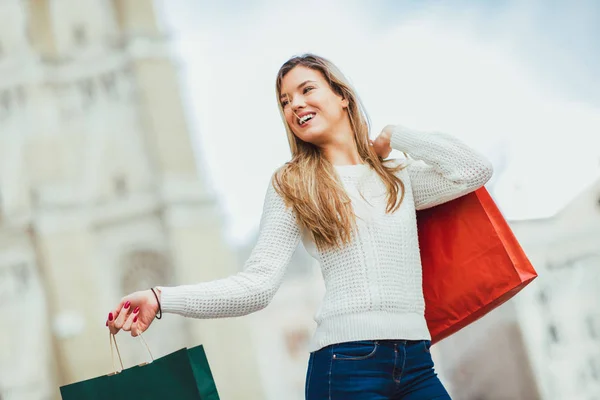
304, 118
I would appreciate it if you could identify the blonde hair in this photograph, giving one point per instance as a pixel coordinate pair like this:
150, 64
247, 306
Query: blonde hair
309, 184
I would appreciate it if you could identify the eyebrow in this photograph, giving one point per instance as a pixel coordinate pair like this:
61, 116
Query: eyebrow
299, 86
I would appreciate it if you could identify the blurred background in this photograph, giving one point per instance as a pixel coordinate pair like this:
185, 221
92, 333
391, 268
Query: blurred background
137, 139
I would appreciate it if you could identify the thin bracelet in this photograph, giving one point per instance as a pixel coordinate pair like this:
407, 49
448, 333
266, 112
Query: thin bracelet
159, 313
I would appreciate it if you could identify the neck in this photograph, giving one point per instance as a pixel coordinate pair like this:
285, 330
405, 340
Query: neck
341, 148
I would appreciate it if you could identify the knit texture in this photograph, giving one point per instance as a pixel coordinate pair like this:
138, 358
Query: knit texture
374, 283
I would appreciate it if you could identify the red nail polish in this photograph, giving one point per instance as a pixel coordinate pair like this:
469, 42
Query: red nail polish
136, 309
110, 316
135, 319
127, 304
106, 323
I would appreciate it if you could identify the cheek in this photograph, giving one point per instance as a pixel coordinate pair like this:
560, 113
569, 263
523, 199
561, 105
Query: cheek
289, 117
330, 108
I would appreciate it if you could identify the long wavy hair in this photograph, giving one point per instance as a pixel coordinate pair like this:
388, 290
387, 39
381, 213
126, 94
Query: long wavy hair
308, 182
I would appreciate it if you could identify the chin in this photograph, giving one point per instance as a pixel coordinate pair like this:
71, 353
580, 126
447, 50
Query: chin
312, 136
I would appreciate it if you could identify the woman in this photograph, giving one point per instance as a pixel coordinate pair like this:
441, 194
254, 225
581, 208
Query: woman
356, 214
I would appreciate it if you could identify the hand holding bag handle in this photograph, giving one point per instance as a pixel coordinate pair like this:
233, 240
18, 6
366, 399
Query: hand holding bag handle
113, 339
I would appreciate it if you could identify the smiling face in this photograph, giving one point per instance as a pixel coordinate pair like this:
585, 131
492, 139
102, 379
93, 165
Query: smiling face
312, 110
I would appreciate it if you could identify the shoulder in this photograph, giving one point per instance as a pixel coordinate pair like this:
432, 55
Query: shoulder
406, 163
402, 163
281, 175
394, 162
282, 180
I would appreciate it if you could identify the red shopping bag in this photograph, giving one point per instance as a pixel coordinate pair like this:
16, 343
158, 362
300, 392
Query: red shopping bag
472, 262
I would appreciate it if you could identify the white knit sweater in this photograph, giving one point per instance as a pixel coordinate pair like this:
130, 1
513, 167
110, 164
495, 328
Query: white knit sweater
373, 284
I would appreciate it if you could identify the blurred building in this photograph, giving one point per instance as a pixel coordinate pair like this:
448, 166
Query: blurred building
545, 342
488, 359
99, 196
560, 314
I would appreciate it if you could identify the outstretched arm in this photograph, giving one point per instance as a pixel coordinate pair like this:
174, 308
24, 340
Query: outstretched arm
240, 294
254, 287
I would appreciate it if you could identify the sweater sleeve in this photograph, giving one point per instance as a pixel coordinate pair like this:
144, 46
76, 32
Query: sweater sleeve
253, 288
443, 168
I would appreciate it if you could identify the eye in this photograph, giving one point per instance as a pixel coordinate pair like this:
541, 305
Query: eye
284, 103
307, 89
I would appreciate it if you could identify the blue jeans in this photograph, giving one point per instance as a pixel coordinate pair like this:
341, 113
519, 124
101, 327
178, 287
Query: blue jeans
374, 370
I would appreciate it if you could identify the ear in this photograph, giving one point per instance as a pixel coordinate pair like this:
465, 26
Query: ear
345, 102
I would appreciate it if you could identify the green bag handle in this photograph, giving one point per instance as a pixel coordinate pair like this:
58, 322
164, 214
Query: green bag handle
113, 339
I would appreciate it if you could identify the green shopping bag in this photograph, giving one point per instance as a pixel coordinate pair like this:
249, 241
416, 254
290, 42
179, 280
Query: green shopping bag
183, 375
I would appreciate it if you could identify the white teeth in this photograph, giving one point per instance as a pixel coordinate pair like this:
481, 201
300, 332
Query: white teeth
305, 118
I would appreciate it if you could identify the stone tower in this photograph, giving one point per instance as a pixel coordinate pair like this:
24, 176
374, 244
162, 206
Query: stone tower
100, 196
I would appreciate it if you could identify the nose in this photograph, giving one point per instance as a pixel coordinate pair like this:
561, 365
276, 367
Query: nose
297, 103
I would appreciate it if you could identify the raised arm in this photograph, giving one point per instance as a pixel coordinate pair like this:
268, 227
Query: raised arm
254, 287
443, 168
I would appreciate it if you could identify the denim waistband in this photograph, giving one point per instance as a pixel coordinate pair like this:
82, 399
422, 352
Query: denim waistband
396, 343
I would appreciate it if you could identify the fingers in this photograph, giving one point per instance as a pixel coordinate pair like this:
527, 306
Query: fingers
135, 329
122, 316
382, 146
110, 321
132, 319
113, 323
126, 315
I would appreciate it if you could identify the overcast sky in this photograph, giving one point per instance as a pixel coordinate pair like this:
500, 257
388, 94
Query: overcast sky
517, 80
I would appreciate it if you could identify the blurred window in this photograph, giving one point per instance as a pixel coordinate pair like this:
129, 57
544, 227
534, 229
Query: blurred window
145, 269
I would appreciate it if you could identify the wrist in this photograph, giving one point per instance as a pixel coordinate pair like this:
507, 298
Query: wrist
388, 129
157, 295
